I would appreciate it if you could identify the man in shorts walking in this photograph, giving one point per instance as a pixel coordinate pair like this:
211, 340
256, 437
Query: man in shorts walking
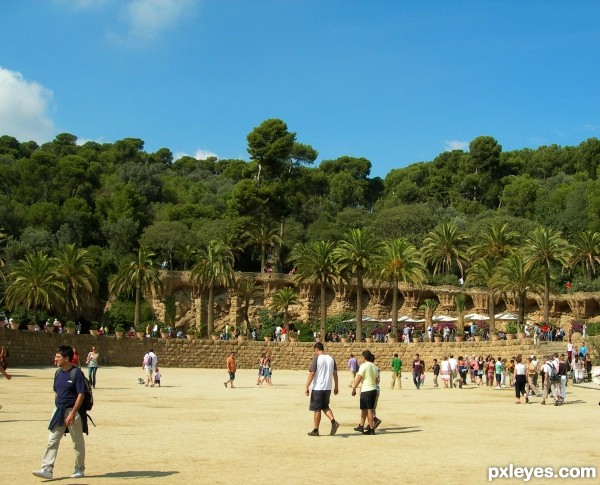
322, 373
231, 368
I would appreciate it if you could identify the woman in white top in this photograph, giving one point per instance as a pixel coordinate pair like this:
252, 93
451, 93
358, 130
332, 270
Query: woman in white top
92, 363
445, 371
520, 375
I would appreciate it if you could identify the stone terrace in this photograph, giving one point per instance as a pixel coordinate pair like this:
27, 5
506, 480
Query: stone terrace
37, 348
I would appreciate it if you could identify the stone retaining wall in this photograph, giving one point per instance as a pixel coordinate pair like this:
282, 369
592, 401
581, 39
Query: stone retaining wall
37, 348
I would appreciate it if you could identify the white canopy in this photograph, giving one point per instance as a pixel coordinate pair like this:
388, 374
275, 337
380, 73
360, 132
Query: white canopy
444, 318
507, 316
365, 318
476, 316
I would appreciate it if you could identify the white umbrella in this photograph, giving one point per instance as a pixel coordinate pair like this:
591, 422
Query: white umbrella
444, 318
507, 316
476, 316
414, 320
365, 318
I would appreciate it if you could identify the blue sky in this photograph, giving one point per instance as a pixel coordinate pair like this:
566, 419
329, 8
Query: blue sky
396, 82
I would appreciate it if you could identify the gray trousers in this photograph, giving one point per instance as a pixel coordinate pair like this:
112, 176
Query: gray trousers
56, 434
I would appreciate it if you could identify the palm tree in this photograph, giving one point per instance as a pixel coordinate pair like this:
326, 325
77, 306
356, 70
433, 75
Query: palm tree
189, 253
283, 298
444, 248
586, 251
34, 284
429, 305
260, 238
316, 260
141, 276
545, 248
495, 242
399, 261
356, 253
460, 304
514, 276
483, 273
213, 269
247, 290
75, 268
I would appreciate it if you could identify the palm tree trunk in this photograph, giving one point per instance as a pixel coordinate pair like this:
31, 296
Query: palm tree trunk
286, 323
359, 309
395, 308
521, 309
492, 310
211, 310
323, 310
138, 306
547, 295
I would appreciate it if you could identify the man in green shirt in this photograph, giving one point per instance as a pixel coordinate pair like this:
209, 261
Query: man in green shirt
396, 371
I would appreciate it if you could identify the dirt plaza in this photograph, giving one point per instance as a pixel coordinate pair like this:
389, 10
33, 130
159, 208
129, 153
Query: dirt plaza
193, 430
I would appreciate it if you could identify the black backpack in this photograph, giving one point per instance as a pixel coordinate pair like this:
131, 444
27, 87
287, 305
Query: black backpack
553, 374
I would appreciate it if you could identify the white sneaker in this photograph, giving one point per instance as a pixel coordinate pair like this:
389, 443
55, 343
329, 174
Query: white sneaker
43, 473
77, 474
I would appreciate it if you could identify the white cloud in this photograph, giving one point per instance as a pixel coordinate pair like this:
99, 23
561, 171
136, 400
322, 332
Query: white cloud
24, 107
82, 4
146, 19
199, 155
456, 145
204, 154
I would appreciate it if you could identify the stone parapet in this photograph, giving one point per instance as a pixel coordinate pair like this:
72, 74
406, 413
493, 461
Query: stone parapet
37, 348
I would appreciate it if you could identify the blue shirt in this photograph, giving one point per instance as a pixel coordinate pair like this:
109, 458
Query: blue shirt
66, 390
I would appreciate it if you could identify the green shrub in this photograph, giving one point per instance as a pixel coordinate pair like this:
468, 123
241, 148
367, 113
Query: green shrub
443, 280
306, 330
593, 329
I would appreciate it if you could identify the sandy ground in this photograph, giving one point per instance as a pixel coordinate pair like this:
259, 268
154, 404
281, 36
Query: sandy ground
193, 430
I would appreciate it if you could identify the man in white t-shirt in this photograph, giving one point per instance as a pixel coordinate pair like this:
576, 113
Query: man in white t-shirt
322, 373
148, 364
453, 369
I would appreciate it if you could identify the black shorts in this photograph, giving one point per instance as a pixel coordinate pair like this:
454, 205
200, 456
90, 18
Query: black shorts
368, 399
319, 400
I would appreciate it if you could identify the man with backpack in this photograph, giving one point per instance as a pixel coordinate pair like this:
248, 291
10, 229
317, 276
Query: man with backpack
148, 364
551, 377
69, 416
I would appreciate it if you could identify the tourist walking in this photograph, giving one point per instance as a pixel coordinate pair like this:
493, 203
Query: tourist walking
453, 369
267, 369
4, 363
260, 368
92, 363
69, 388
418, 369
520, 377
396, 371
322, 376
149, 362
436, 372
231, 369
445, 371
353, 368
368, 377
